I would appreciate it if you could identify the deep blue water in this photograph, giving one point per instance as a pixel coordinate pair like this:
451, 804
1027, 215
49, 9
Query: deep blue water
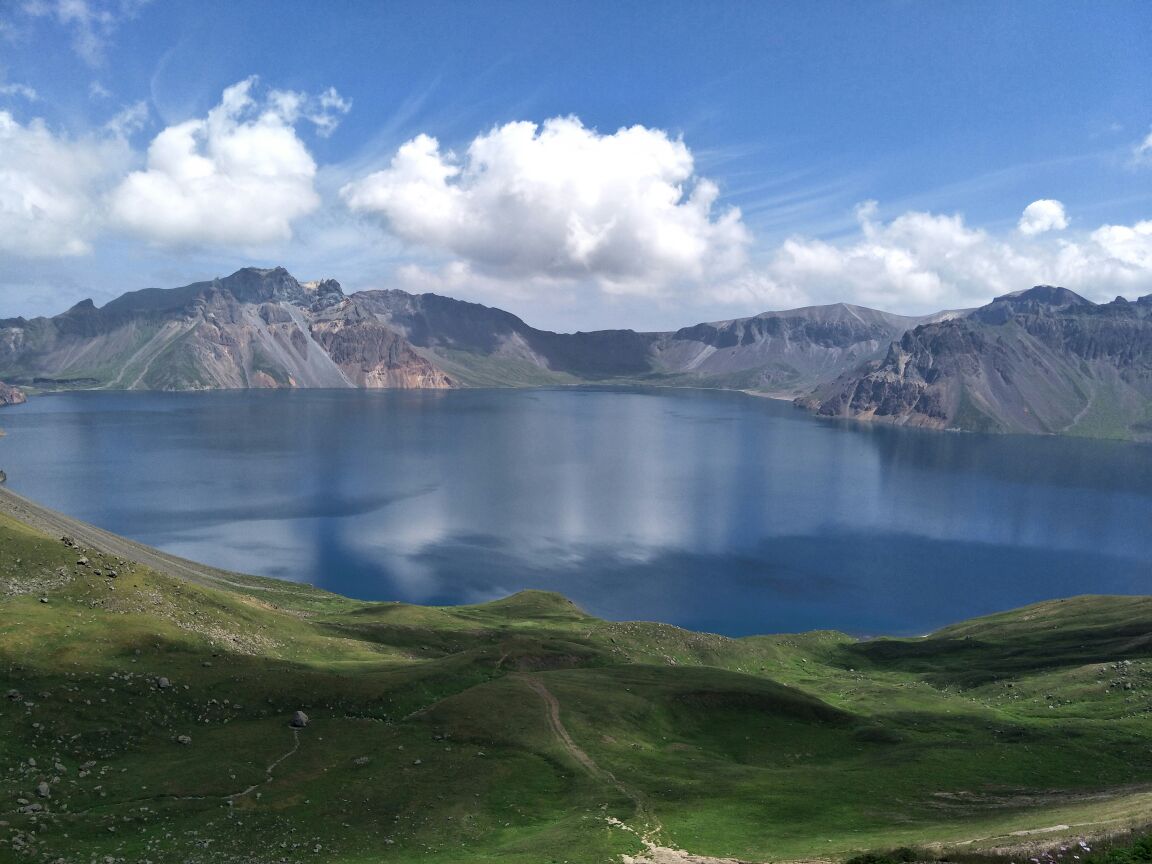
711, 510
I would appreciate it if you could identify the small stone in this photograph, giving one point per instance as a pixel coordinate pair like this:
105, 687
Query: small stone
43, 790
82, 561
163, 683
299, 720
183, 739
363, 760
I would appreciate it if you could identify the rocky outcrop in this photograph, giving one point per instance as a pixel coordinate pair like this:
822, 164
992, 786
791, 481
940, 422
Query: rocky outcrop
1044, 360
10, 395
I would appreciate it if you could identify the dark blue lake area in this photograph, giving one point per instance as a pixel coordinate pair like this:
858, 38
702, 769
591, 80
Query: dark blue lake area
715, 511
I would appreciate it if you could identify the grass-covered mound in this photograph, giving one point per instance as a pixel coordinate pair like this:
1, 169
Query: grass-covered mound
147, 718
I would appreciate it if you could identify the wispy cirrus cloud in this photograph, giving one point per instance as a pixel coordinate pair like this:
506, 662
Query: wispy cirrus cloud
91, 23
22, 91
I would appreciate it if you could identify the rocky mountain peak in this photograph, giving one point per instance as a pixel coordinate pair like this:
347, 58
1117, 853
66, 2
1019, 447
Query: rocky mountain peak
324, 293
260, 285
275, 284
1038, 300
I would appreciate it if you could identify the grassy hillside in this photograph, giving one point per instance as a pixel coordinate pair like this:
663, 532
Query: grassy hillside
155, 712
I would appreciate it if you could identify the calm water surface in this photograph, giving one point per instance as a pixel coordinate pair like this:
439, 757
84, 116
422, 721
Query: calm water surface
710, 510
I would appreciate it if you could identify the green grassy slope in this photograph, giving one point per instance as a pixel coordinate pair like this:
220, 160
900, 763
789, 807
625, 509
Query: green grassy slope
527, 731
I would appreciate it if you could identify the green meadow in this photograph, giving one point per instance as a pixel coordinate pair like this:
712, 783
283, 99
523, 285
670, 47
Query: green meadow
144, 718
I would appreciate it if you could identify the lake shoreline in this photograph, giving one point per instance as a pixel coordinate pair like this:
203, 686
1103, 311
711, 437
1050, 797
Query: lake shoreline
713, 512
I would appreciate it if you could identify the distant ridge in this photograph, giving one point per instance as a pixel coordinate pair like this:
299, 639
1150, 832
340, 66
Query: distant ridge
265, 328
1044, 360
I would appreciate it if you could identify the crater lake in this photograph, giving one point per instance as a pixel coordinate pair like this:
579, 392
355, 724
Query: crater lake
711, 510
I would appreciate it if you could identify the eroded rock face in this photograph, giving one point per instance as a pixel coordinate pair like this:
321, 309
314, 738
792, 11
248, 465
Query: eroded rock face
10, 395
373, 355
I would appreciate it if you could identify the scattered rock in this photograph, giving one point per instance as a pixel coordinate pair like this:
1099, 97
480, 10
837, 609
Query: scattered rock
299, 720
163, 683
183, 739
82, 561
43, 790
363, 760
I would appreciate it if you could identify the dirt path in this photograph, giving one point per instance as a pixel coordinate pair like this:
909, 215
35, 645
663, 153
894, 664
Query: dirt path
57, 524
653, 852
1080, 415
561, 732
268, 771
229, 798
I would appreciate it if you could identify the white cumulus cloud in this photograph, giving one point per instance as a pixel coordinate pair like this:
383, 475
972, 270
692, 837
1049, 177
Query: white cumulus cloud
921, 262
1043, 215
560, 201
50, 187
238, 177
1129, 245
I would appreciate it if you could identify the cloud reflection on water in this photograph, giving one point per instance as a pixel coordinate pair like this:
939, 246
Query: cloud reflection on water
705, 509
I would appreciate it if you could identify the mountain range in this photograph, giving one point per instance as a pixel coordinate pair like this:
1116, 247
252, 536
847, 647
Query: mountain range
1043, 360
264, 328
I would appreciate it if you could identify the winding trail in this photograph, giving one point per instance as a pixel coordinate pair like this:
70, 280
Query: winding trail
268, 771
653, 852
230, 798
1080, 414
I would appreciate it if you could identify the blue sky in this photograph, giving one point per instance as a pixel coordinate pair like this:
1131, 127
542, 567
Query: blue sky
774, 154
